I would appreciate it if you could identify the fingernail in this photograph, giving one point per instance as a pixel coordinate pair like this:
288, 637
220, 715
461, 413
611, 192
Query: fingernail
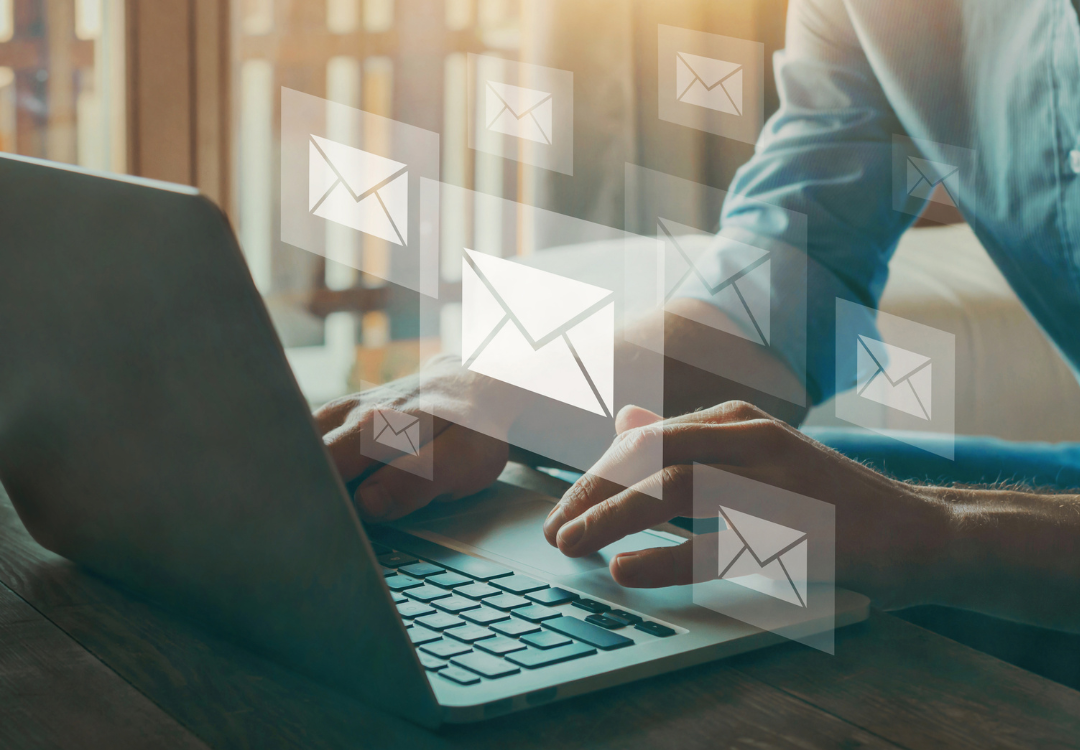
554, 520
626, 562
374, 500
570, 534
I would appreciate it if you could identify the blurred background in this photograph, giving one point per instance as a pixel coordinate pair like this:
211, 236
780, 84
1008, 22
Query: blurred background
189, 91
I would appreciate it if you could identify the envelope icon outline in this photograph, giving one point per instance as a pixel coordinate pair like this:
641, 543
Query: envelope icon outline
539, 331
895, 377
749, 304
708, 82
397, 430
359, 189
763, 556
518, 111
923, 176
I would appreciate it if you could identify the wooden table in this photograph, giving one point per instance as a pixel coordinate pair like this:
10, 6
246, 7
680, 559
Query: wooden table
83, 664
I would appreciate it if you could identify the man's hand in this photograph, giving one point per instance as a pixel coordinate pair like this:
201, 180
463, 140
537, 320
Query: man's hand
465, 461
888, 534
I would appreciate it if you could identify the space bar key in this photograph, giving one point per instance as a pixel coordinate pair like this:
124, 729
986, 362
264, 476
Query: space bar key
588, 633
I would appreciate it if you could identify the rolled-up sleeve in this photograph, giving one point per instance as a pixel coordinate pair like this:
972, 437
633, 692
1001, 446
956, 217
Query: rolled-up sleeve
825, 154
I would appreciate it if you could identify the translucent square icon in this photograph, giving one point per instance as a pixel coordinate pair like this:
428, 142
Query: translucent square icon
522, 111
896, 377
539, 329
712, 83
753, 286
929, 178
350, 189
399, 438
771, 563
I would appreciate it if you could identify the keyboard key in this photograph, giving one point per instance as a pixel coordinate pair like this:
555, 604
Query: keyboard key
419, 635
515, 627
400, 583
605, 622
587, 632
396, 559
597, 608
499, 645
535, 613
455, 604
459, 675
421, 569
477, 591
426, 593
440, 621
506, 602
387, 572
485, 665
655, 628
472, 567
534, 657
552, 596
449, 580
430, 662
518, 584
545, 639
469, 633
380, 549
397, 598
626, 618
445, 648
484, 615
414, 609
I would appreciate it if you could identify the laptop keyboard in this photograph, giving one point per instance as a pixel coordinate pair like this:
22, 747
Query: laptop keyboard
471, 620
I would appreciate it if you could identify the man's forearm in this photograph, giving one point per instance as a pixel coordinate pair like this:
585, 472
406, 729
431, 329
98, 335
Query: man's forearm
1014, 555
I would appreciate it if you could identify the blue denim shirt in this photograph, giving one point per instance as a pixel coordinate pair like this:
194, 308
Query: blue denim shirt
998, 77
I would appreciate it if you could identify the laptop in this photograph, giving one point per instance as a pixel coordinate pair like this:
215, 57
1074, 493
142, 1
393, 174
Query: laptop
152, 431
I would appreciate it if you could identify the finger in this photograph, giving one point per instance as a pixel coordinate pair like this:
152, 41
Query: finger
631, 417
692, 561
332, 415
640, 452
632, 510
465, 462
346, 443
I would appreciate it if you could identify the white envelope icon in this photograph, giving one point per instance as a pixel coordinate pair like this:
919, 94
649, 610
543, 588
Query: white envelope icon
520, 112
741, 288
715, 84
546, 333
763, 556
894, 377
361, 190
923, 176
398, 430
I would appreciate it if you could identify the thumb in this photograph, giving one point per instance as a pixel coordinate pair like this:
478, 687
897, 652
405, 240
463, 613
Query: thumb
631, 417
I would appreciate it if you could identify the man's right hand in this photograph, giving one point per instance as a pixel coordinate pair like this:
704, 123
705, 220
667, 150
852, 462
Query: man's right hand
465, 461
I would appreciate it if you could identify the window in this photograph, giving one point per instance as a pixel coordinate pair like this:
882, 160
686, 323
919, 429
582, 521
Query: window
402, 59
62, 86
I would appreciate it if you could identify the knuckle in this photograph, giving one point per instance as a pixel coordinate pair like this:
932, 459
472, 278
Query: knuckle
742, 411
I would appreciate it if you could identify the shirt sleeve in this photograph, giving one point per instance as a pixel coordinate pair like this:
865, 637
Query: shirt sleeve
825, 155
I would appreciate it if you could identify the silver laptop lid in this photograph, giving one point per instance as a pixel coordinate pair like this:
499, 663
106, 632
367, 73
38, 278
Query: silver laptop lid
151, 430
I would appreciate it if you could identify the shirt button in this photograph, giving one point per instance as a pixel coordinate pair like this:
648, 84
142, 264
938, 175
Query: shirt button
1074, 160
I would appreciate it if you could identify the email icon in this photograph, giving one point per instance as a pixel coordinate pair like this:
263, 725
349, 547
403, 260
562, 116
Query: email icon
924, 176
763, 556
539, 331
517, 111
358, 189
739, 284
894, 377
397, 430
715, 84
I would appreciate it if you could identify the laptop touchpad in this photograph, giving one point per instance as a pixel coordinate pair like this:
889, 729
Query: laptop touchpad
505, 524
